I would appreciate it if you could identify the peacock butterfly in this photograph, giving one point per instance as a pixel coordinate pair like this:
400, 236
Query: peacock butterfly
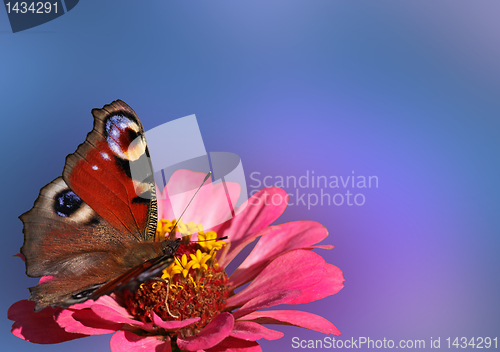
93, 229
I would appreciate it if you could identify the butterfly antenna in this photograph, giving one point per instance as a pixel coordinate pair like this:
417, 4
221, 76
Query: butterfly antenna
187, 206
180, 263
180, 217
214, 239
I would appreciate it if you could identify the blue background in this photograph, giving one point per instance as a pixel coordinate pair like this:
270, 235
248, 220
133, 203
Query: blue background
404, 90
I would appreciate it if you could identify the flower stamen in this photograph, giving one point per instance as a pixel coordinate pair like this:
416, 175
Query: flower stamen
193, 284
166, 303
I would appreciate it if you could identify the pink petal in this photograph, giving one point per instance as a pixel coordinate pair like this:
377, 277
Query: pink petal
295, 270
212, 334
108, 309
85, 321
267, 300
210, 207
232, 344
247, 330
126, 341
174, 324
260, 210
45, 279
20, 255
87, 304
329, 285
322, 246
38, 327
281, 239
293, 317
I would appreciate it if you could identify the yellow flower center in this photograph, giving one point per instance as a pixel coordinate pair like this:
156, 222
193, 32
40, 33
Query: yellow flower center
203, 257
196, 287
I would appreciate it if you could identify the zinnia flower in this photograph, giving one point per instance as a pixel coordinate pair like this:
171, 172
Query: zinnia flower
199, 308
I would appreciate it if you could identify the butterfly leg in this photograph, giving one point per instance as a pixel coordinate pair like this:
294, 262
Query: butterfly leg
166, 298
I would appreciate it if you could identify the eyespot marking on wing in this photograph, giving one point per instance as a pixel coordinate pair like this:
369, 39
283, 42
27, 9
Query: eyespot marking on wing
66, 203
124, 138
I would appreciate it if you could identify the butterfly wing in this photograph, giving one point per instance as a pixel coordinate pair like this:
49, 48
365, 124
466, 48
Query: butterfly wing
135, 276
85, 227
143, 272
112, 172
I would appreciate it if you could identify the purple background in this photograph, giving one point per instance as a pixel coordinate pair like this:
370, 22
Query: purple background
406, 91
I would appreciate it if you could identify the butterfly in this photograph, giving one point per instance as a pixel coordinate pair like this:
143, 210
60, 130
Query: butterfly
92, 230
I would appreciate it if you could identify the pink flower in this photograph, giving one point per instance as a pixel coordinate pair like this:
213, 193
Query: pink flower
205, 312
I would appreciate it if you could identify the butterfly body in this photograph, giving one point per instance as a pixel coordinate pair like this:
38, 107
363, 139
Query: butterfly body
92, 231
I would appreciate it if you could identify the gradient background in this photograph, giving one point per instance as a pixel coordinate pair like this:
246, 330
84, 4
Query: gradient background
404, 90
